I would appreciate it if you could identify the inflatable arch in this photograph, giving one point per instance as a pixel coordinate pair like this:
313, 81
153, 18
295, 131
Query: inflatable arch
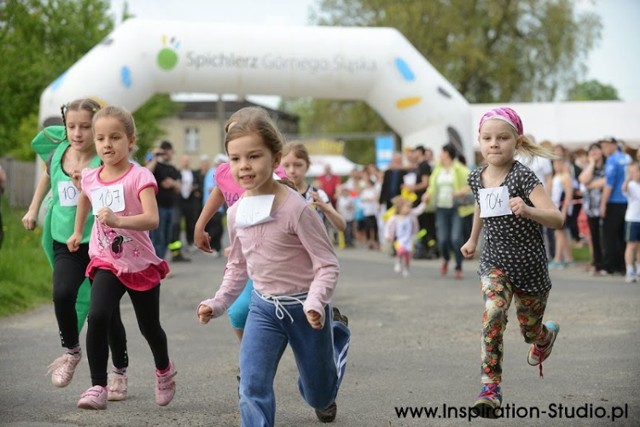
376, 65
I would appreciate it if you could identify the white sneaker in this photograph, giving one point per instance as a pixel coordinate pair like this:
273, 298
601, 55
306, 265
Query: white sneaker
630, 278
405, 273
397, 268
117, 388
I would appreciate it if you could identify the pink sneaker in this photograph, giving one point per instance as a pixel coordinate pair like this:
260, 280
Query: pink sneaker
165, 386
117, 388
62, 369
94, 398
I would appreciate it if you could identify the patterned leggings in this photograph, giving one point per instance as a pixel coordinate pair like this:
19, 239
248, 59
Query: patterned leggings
498, 293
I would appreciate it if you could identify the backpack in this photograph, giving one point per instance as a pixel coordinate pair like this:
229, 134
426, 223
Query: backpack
47, 140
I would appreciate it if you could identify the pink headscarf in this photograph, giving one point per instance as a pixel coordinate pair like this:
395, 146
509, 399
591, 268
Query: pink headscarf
505, 114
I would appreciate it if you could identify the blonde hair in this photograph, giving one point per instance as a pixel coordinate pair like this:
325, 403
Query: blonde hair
528, 149
256, 121
299, 150
83, 104
122, 115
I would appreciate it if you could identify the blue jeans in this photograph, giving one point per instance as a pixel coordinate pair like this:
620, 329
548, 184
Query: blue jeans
161, 236
321, 356
449, 234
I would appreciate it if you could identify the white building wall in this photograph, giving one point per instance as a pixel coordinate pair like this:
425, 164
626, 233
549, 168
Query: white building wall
574, 124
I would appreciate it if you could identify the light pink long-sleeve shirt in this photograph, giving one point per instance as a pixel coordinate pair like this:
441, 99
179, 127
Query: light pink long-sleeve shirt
288, 255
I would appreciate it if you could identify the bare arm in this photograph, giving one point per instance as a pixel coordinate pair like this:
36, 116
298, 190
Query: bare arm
568, 196
31, 217
469, 248
596, 184
543, 210
200, 237
334, 217
82, 211
587, 173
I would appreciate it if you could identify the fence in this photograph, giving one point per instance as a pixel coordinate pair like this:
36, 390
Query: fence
20, 184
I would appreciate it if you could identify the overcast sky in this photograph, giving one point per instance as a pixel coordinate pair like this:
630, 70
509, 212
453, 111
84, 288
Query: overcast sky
615, 61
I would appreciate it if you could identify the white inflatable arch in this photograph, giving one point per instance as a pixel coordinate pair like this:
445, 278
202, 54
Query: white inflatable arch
376, 65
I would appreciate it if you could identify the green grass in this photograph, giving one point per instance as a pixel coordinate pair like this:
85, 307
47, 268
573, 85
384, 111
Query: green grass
581, 254
25, 275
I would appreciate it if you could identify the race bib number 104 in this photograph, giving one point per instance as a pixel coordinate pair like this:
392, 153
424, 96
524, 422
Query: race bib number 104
111, 196
494, 202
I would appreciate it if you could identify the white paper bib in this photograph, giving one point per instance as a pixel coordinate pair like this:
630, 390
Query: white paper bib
254, 210
494, 202
111, 196
67, 193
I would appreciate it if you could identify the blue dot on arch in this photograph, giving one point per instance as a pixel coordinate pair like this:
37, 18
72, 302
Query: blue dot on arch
125, 76
404, 69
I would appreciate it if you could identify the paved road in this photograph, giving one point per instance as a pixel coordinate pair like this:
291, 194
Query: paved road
415, 343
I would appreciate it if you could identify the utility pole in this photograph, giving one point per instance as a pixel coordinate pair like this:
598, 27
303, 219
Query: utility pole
221, 120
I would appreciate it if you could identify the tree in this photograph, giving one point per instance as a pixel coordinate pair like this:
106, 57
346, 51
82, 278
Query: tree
592, 90
147, 118
339, 118
39, 40
490, 50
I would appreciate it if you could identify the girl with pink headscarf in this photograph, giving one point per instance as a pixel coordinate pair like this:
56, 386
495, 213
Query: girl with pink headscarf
511, 209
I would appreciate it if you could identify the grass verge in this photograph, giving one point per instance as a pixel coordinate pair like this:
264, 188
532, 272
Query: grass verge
25, 275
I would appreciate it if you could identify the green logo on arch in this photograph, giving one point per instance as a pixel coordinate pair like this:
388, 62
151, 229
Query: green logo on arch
167, 56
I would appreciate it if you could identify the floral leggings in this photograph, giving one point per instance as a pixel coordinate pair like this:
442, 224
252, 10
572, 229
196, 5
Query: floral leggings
498, 293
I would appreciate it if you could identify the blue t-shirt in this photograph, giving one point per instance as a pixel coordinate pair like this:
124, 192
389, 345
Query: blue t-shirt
615, 173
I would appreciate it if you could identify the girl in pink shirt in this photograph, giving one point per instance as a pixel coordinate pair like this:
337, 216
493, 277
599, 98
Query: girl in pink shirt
227, 191
278, 240
122, 196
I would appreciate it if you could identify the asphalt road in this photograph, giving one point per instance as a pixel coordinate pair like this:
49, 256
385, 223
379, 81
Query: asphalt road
415, 344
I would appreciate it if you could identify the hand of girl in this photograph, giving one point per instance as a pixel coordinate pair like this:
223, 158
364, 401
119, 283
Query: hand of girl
74, 241
518, 207
205, 313
29, 220
202, 240
318, 202
314, 318
107, 217
75, 178
468, 249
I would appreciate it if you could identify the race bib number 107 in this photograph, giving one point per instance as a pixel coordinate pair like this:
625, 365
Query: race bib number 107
111, 196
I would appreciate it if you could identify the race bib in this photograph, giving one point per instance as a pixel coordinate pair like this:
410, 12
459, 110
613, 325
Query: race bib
494, 202
111, 196
254, 210
410, 179
67, 193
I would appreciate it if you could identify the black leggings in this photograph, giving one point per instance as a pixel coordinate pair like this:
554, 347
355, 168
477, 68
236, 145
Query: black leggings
106, 292
68, 275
